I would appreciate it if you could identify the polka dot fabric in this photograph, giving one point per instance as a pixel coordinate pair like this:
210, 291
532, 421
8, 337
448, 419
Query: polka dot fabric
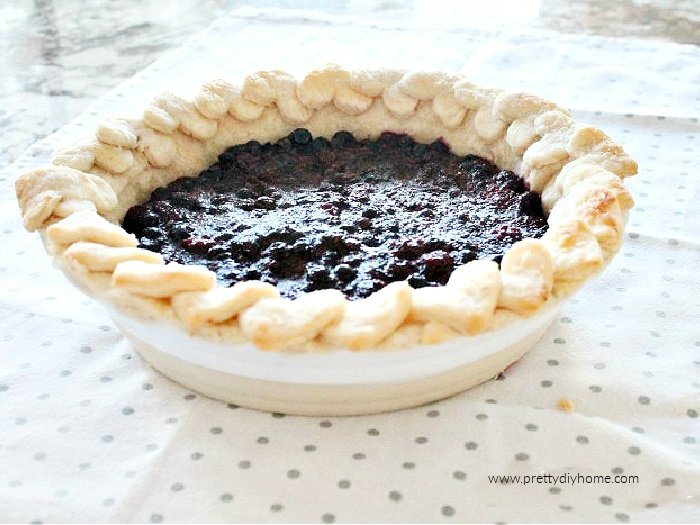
90, 433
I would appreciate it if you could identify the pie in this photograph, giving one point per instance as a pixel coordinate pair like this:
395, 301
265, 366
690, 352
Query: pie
346, 210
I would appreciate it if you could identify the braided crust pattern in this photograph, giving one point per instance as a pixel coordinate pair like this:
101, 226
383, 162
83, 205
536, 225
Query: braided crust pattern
77, 202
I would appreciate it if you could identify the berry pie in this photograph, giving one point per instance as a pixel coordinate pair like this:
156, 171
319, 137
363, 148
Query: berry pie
352, 210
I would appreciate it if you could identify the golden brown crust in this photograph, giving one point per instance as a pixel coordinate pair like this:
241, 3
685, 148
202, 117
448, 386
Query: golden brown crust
77, 200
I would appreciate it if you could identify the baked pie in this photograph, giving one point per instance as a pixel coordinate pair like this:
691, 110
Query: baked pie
347, 210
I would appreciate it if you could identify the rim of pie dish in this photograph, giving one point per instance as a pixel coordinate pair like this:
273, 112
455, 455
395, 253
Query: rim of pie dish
78, 201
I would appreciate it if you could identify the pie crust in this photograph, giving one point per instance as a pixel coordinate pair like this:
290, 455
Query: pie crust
78, 201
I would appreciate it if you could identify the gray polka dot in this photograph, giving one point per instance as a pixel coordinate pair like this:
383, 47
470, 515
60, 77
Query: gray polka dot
263, 440
127, 411
65, 373
189, 397
226, 497
151, 447
566, 508
643, 400
216, 430
583, 440
395, 495
546, 383
325, 424
555, 490
14, 483
448, 511
177, 487
171, 420
61, 493
147, 386
651, 505
156, 518
231, 406
471, 445
277, 415
107, 502
40, 456
245, 464
421, 440
20, 420
328, 518
491, 401
373, 432
617, 470
433, 413
552, 362
620, 516
481, 417
635, 451
310, 448
196, 456
344, 484
359, 456
458, 474
606, 500
668, 482
559, 340
599, 366
293, 474
409, 465
595, 389
64, 429
107, 439
692, 413
276, 507
531, 427
689, 439
521, 456
84, 466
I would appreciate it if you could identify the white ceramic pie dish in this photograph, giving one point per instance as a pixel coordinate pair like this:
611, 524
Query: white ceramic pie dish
337, 383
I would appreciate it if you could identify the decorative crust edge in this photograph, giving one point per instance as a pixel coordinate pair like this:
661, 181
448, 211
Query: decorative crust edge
78, 201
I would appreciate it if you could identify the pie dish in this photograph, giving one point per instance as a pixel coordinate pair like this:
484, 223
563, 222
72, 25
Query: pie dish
80, 202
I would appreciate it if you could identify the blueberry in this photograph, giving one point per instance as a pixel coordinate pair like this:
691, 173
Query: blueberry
300, 137
179, 232
438, 266
265, 203
342, 139
245, 193
530, 204
440, 146
160, 194
229, 155
344, 273
253, 147
319, 144
218, 253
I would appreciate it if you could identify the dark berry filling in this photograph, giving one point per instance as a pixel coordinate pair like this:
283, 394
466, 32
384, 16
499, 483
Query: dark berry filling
308, 213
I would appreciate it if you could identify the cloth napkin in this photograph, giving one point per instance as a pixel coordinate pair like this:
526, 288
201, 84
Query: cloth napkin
89, 432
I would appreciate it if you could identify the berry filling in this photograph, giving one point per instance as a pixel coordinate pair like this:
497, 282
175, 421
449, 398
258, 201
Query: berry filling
307, 213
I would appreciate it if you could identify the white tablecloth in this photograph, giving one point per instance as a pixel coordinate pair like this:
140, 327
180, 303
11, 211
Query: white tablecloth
88, 432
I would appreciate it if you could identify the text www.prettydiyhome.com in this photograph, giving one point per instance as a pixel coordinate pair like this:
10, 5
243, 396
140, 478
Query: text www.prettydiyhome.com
562, 479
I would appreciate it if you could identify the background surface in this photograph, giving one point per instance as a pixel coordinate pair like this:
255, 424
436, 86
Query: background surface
88, 432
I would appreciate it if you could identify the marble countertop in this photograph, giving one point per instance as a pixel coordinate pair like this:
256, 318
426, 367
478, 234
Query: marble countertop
58, 56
